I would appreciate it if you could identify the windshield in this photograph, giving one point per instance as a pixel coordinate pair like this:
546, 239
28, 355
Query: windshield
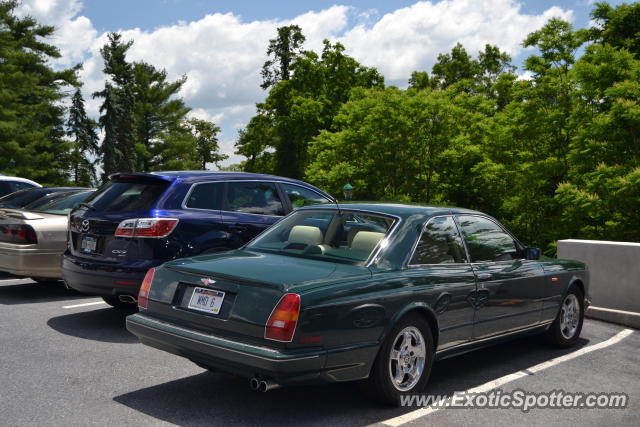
343, 236
63, 203
22, 198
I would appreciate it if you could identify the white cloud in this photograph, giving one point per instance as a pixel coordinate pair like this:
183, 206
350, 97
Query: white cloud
221, 54
411, 38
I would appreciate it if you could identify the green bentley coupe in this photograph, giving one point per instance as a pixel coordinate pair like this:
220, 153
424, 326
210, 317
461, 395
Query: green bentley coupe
372, 292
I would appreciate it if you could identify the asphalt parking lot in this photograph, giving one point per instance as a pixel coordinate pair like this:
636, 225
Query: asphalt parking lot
67, 359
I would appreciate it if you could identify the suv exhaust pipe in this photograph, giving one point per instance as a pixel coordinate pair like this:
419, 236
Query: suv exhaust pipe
254, 384
128, 299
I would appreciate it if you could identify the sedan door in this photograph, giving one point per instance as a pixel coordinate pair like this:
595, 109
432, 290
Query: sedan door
439, 268
509, 291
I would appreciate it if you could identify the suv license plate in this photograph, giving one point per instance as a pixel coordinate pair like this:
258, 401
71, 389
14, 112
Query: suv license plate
206, 300
88, 244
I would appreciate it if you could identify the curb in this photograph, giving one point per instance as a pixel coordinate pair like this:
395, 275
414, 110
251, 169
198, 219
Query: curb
626, 318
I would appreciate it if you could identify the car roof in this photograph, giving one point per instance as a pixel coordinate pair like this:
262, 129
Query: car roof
402, 210
18, 179
199, 176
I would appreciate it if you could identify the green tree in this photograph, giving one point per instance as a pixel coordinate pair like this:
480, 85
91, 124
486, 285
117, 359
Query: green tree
283, 51
617, 26
118, 149
84, 142
32, 132
156, 108
299, 106
206, 136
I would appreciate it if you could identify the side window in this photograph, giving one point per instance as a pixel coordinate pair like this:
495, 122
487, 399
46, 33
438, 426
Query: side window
486, 241
300, 196
254, 197
205, 196
439, 243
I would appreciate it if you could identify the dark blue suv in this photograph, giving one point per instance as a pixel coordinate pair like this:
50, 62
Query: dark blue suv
138, 221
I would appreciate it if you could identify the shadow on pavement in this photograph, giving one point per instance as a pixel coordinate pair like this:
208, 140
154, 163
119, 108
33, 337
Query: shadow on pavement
106, 324
219, 399
29, 293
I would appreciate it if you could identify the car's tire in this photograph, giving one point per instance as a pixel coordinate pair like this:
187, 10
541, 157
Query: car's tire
408, 349
115, 302
565, 329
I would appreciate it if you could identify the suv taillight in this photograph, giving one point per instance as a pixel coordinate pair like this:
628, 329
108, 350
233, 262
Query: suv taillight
282, 323
18, 233
146, 227
143, 294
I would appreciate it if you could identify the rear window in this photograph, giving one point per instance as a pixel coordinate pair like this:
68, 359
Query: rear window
62, 204
127, 196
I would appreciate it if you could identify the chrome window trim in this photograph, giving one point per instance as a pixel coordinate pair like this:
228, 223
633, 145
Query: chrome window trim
500, 226
422, 230
183, 205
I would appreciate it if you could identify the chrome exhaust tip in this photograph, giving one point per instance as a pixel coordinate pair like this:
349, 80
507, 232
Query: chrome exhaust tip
254, 384
266, 385
128, 299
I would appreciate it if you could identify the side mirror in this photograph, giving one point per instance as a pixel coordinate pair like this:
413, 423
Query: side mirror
532, 253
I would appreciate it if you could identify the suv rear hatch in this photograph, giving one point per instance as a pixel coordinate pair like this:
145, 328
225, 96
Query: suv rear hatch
93, 225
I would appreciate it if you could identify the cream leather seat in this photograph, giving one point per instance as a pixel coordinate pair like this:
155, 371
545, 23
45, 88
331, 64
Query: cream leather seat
366, 241
305, 234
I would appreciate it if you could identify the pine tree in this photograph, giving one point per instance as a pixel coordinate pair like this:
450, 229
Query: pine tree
32, 141
84, 142
156, 109
118, 149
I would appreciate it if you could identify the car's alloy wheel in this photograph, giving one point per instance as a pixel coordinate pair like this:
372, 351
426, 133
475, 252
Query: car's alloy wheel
569, 316
404, 361
565, 329
407, 358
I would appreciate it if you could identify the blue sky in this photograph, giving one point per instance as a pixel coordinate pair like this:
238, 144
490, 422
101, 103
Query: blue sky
149, 14
220, 45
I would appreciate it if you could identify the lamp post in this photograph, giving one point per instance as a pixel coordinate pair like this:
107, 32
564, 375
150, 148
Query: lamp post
348, 191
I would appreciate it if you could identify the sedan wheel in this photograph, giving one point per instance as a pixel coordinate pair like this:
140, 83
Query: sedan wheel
569, 316
404, 361
565, 330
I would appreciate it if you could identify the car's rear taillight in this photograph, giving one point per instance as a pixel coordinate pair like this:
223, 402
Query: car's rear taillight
18, 233
146, 227
143, 294
282, 323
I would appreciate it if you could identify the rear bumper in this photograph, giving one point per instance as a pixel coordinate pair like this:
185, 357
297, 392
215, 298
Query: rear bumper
227, 355
96, 278
30, 261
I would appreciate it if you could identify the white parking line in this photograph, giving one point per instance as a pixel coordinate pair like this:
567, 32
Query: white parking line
418, 413
86, 304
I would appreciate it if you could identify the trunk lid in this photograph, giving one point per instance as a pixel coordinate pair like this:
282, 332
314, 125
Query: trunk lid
249, 283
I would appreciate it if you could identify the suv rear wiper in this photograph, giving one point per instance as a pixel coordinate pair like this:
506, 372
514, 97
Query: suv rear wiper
88, 206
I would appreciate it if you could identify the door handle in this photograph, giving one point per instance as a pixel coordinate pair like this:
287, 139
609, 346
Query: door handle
483, 276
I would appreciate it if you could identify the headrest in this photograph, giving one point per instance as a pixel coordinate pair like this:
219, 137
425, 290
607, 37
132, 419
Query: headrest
366, 241
306, 234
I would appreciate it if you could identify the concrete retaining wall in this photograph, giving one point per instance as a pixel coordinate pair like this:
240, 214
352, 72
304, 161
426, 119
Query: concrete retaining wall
614, 269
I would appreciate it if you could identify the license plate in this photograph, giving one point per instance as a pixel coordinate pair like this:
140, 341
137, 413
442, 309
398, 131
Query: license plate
88, 244
206, 300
